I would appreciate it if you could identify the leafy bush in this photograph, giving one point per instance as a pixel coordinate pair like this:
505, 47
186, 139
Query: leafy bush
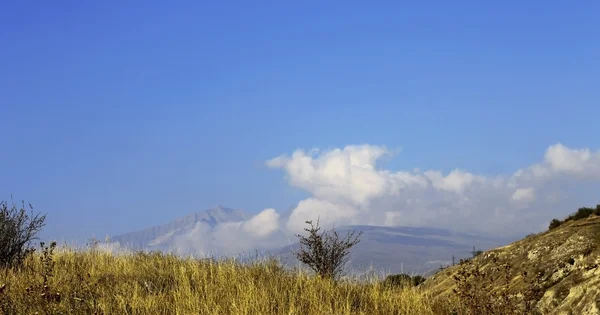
403, 280
325, 253
398, 280
554, 224
582, 213
17, 229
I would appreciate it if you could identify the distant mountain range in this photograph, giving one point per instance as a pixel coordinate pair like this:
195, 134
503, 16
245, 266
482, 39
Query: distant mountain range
161, 237
386, 249
412, 250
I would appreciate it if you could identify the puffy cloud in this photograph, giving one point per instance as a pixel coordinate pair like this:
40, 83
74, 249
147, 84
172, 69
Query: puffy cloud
347, 174
262, 231
580, 162
262, 224
457, 181
328, 213
347, 187
560, 160
524, 194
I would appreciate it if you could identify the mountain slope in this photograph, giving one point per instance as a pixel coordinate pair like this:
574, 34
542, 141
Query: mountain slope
384, 249
417, 250
566, 258
160, 236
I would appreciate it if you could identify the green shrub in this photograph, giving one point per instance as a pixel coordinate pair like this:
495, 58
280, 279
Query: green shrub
582, 213
398, 280
554, 224
403, 280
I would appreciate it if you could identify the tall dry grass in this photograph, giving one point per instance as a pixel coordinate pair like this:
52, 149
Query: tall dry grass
97, 282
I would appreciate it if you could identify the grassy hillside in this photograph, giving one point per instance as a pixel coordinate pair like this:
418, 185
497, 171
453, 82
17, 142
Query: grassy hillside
94, 282
555, 272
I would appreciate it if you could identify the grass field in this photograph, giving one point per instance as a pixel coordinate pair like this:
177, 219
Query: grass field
96, 282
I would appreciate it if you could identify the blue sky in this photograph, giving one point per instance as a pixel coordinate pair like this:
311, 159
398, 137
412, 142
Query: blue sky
116, 116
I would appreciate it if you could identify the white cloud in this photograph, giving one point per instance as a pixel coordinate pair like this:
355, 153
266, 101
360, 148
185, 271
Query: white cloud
457, 181
262, 224
347, 187
580, 162
524, 194
347, 174
326, 212
560, 160
262, 231
522, 198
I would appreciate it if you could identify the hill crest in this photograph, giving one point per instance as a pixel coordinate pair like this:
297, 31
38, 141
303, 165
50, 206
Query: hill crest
161, 235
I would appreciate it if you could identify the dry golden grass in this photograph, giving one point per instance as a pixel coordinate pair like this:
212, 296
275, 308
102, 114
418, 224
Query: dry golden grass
95, 282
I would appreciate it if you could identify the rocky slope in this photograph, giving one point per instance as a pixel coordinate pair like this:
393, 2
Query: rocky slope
566, 259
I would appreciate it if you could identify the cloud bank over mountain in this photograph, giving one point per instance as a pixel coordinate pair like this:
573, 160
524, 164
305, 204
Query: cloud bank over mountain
347, 187
232, 238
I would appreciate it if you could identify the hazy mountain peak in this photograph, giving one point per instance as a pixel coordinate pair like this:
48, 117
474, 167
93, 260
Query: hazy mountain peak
162, 234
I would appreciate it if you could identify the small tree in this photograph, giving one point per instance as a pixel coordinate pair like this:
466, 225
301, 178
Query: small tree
325, 253
554, 224
582, 213
398, 280
17, 229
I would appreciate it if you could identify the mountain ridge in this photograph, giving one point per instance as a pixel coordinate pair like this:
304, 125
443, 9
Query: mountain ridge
159, 234
403, 249
393, 249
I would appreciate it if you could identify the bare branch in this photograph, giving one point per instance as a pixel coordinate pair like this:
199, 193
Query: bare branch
17, 230
325, 253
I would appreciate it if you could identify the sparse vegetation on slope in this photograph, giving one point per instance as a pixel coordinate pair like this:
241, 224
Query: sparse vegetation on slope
581, 213
557, 271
